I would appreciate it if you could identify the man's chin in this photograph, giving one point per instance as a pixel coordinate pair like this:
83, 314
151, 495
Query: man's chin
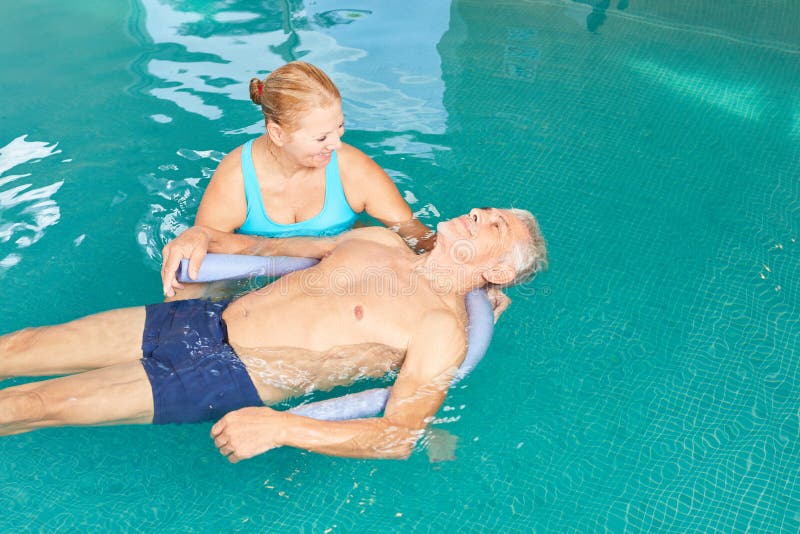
442, 238
443, 228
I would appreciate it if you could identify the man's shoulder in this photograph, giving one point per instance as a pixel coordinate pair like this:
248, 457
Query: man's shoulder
438, 344
444, 323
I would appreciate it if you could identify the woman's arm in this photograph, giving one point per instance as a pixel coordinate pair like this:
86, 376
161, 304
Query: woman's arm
416, 234
368, 188
223, 208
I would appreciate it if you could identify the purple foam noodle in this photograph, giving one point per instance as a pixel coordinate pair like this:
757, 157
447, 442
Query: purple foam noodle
367, 403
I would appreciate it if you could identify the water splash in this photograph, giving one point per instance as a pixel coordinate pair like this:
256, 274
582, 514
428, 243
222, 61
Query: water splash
176, 189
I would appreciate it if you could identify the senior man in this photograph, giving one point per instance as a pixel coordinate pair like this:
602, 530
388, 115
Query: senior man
370, 306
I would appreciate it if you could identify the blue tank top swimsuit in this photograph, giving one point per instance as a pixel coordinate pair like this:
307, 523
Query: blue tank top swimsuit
336, 215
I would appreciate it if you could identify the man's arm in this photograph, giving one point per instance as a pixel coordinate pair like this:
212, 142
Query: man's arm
434, 354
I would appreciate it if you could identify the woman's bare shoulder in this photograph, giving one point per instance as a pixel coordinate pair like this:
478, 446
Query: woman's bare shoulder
224, 205
369, 188
353, 161
230, 168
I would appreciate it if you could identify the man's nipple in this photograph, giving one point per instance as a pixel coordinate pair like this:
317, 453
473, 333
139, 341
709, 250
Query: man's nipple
358, 311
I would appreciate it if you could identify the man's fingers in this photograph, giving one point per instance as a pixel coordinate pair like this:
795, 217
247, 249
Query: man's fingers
221, 441
228, 452
218, 427
500, 302
499, 310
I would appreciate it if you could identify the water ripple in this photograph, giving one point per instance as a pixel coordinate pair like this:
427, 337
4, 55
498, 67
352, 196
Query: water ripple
176, 189
26, 208
219, 51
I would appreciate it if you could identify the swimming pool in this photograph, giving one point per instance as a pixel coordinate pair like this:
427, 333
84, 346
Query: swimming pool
647, 383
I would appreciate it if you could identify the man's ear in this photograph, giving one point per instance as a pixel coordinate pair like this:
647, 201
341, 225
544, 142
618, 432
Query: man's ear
276, 134
501, 274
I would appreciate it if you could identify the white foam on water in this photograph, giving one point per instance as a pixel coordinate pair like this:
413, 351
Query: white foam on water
161, 118
236, 16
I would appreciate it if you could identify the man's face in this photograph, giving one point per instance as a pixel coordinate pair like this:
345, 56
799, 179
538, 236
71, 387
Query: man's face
483, 237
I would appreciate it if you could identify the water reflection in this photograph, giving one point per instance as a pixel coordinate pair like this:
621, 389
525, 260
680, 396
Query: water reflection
26, 210
591, 13
389, 82
407, 145
746, 100
597, 17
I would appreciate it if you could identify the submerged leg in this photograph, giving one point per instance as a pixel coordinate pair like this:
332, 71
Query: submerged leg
91, 342
116, 395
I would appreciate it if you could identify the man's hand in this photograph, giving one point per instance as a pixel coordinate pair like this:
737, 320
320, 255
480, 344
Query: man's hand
191, 244
247, 432
499, 300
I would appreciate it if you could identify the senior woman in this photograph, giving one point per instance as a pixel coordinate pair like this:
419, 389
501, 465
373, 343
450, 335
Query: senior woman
297, 179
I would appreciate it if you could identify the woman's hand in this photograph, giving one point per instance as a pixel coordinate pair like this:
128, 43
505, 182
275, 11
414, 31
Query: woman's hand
191, 244
417, 236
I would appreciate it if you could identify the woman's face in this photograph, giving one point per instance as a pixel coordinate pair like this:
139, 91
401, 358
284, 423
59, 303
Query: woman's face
317, 133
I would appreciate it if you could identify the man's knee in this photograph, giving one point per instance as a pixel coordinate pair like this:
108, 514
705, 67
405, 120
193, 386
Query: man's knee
19, 341
21, 406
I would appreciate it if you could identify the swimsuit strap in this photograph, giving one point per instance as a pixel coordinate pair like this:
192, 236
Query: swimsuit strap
337, 209
335, 217
252, 191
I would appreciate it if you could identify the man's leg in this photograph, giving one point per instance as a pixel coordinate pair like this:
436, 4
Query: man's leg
91, 342
116, 395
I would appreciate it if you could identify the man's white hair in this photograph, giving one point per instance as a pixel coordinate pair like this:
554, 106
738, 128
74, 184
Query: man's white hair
528, 257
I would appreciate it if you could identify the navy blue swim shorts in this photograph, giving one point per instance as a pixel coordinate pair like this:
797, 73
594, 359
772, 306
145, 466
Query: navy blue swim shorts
195, 374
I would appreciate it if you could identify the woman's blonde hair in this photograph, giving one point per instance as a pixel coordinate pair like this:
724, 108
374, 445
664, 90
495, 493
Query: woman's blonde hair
291, 90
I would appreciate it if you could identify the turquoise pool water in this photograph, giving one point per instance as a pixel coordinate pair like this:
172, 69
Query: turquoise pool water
647, 383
